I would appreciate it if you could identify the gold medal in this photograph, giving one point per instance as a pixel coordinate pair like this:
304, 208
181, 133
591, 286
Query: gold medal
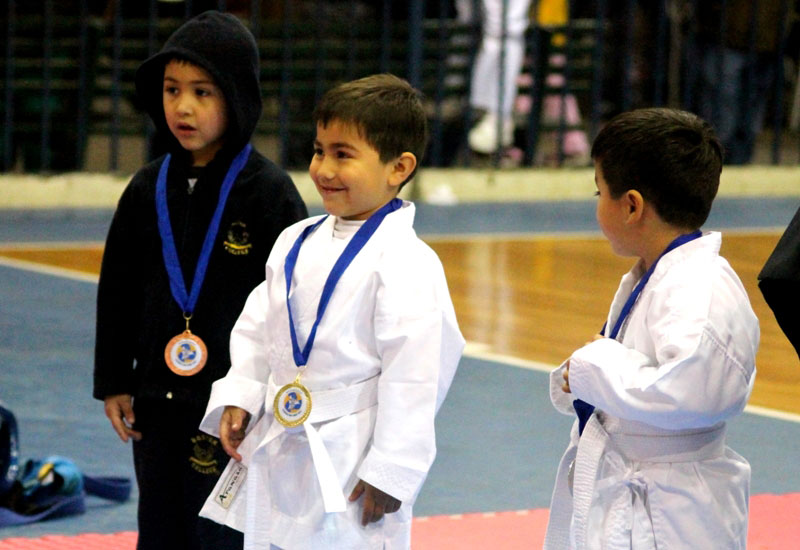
292, 404
186, 353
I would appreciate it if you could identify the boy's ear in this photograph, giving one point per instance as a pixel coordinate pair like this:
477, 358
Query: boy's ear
402, 167
634, 202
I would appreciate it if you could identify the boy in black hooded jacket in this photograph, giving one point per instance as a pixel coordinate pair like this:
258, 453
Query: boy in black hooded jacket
188, 242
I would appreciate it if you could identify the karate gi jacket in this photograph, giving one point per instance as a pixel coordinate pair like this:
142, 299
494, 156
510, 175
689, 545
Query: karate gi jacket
651, 469
383, 359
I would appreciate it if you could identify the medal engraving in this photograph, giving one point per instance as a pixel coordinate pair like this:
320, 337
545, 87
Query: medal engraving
185, 354
292, 404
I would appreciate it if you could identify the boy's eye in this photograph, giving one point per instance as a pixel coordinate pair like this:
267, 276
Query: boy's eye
342, 154
203, 93
597, 193
171, 90
318, 151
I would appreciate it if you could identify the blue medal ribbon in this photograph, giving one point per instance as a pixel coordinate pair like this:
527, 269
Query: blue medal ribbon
350, 251
186, 300
583, 409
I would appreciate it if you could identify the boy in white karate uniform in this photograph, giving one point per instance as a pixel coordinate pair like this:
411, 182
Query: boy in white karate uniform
647, 465
343, 355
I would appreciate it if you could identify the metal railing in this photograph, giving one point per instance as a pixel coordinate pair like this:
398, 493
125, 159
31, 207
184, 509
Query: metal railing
67, 72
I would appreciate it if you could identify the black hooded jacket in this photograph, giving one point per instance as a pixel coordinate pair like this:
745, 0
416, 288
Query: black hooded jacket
136, 312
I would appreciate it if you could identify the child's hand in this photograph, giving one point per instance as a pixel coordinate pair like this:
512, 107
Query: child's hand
231, 429
565, 375
376, 502
119, 411
596, 337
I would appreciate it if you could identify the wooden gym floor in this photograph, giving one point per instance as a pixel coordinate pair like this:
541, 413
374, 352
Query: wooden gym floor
538, 298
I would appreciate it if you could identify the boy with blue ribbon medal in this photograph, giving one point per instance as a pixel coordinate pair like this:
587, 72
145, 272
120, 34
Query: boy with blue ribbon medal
187, 244
647, 465
343, 356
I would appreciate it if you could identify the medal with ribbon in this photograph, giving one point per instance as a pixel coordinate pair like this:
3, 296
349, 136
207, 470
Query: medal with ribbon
292, 404
186, 353
583, 409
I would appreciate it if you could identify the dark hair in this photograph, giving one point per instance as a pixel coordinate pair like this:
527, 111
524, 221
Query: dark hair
385, 109
673, 158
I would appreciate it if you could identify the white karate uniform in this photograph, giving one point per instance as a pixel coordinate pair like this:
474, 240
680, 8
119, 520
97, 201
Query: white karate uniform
384, 356
651, 469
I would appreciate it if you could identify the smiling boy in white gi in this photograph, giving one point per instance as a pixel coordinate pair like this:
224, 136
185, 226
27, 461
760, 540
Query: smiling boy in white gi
355, 310
647, 465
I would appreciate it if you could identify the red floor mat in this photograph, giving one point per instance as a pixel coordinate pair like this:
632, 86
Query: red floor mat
773, 522
773, 526
117, 541
518, 530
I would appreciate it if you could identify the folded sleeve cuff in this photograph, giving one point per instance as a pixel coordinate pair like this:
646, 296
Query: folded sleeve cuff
237, 391
391, 478
561, 400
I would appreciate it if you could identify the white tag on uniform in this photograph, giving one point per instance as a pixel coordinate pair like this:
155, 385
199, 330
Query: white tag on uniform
231, 485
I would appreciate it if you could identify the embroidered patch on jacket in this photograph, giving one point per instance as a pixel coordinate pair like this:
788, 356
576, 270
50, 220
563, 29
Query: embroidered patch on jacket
204, 448
237, 241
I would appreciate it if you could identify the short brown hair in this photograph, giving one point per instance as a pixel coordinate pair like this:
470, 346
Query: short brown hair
672, 157
386, 110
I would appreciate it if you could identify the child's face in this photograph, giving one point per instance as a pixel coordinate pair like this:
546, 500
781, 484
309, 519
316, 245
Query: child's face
349, 174
611, 215
195, 110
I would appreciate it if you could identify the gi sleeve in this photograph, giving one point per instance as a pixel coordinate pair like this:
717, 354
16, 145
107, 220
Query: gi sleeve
700, 372
561, 400
119, 297
420, 345
246, 383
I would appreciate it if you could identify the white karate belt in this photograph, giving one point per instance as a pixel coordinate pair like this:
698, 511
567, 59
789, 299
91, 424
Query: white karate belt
326, 405
625, 492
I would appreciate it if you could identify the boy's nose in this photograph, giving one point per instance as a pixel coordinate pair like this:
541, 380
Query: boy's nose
326, 169
184, 105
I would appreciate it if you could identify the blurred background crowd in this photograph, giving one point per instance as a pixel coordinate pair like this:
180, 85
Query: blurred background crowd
506, 82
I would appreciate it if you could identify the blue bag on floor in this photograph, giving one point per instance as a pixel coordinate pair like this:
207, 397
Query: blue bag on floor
9, 450
48, 488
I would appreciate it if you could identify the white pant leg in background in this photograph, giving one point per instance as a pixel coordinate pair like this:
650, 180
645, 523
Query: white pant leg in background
486, 72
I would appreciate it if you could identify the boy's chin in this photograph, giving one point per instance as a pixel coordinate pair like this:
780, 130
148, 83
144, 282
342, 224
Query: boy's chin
332, 208
336, 208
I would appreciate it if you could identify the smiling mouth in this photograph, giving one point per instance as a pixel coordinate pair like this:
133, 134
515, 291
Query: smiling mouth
328, 189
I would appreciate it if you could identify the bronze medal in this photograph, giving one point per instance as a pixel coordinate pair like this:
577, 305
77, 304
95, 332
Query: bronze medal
185, 354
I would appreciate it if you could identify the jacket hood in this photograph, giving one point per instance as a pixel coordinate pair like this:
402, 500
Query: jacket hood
223, 46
